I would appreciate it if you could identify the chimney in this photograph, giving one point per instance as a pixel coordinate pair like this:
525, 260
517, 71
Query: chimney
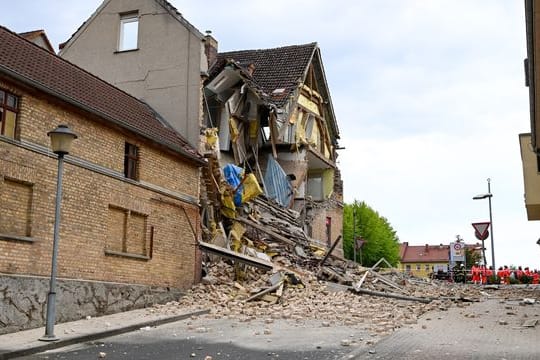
427, 248
251, 69
210, 48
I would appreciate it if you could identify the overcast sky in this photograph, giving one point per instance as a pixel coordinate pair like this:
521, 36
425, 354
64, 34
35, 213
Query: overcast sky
429, 97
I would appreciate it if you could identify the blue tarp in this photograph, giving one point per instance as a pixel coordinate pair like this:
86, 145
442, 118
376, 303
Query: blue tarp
233, 176
277, 184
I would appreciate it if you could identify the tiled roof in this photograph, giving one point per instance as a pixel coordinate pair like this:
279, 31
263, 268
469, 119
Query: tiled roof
31, 35
424, 253
277, 68
55, 75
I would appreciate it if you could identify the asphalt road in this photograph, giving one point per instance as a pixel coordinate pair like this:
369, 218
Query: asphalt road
222, 339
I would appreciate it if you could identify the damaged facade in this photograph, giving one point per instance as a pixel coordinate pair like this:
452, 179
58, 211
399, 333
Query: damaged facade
268, 111
271, 114
237, 153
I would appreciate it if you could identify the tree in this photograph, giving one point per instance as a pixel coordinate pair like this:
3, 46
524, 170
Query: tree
472, 257
362, 222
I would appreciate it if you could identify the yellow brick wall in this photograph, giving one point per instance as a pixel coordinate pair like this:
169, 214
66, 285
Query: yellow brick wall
87, 198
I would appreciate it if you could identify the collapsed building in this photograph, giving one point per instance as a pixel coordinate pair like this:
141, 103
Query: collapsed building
263, 186
269, 113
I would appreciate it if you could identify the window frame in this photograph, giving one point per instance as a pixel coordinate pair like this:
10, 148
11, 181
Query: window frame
125, 20
127, 230
131, 161
5, 108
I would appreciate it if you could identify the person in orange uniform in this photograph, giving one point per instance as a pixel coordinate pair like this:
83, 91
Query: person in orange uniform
475, 272
483, 274
535, 277
489, 274
500, 274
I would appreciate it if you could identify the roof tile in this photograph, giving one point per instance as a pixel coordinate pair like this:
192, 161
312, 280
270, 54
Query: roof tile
277, 68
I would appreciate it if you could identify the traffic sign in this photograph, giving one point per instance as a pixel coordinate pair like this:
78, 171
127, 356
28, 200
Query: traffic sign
481, 228
480, 237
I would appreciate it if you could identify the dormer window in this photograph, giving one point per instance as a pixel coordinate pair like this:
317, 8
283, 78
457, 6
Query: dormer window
129, 32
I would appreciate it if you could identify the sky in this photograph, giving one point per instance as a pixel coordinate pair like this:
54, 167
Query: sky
429, 96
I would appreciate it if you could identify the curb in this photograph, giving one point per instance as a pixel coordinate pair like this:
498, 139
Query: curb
97, 335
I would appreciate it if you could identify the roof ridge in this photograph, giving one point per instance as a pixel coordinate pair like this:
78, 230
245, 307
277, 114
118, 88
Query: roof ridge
314, 44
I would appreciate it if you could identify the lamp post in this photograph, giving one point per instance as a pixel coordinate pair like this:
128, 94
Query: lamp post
61, 139
488, 196
354, 231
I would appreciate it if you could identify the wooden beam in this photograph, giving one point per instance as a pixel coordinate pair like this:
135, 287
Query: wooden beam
330, 250
229, 254
392, 295
267, 231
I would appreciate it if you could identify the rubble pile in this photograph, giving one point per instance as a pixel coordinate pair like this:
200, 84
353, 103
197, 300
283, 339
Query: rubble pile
267, 268
305, 297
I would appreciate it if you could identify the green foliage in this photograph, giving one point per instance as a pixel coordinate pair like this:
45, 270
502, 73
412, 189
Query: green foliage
362, 221
472, 257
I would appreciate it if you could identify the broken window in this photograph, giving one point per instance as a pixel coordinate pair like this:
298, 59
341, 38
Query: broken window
315, 186
9, 107
129, 32
328, 231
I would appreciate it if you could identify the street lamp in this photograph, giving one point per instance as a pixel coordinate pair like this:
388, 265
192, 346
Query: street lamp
61, 139
488, 196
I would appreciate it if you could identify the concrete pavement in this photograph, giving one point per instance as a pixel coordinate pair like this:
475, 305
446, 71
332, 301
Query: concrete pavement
27, 342
500, 329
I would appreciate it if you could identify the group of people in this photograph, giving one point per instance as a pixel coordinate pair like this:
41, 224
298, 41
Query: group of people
481, 274
518, 275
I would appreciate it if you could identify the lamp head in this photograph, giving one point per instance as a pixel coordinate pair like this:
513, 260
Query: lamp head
61, 139
482, 196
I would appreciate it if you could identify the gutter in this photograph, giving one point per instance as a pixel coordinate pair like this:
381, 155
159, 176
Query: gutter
91, 110
529, 68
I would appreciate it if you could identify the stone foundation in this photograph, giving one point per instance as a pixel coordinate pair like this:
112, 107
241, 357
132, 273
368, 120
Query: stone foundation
23, 300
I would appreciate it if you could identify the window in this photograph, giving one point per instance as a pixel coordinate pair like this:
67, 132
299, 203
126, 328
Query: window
9, 107
315, 186
16, 209
131, 161
329, 231
417, 267
126, 232
426, 268
408, 268
129, 32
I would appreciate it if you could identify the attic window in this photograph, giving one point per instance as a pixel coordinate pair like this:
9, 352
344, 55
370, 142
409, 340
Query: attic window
278, 91
129, 32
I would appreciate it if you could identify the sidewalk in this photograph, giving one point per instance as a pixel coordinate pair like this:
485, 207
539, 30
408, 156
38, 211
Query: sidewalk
26, 342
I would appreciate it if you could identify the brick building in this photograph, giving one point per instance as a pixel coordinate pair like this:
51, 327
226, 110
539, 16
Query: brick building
129, 210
